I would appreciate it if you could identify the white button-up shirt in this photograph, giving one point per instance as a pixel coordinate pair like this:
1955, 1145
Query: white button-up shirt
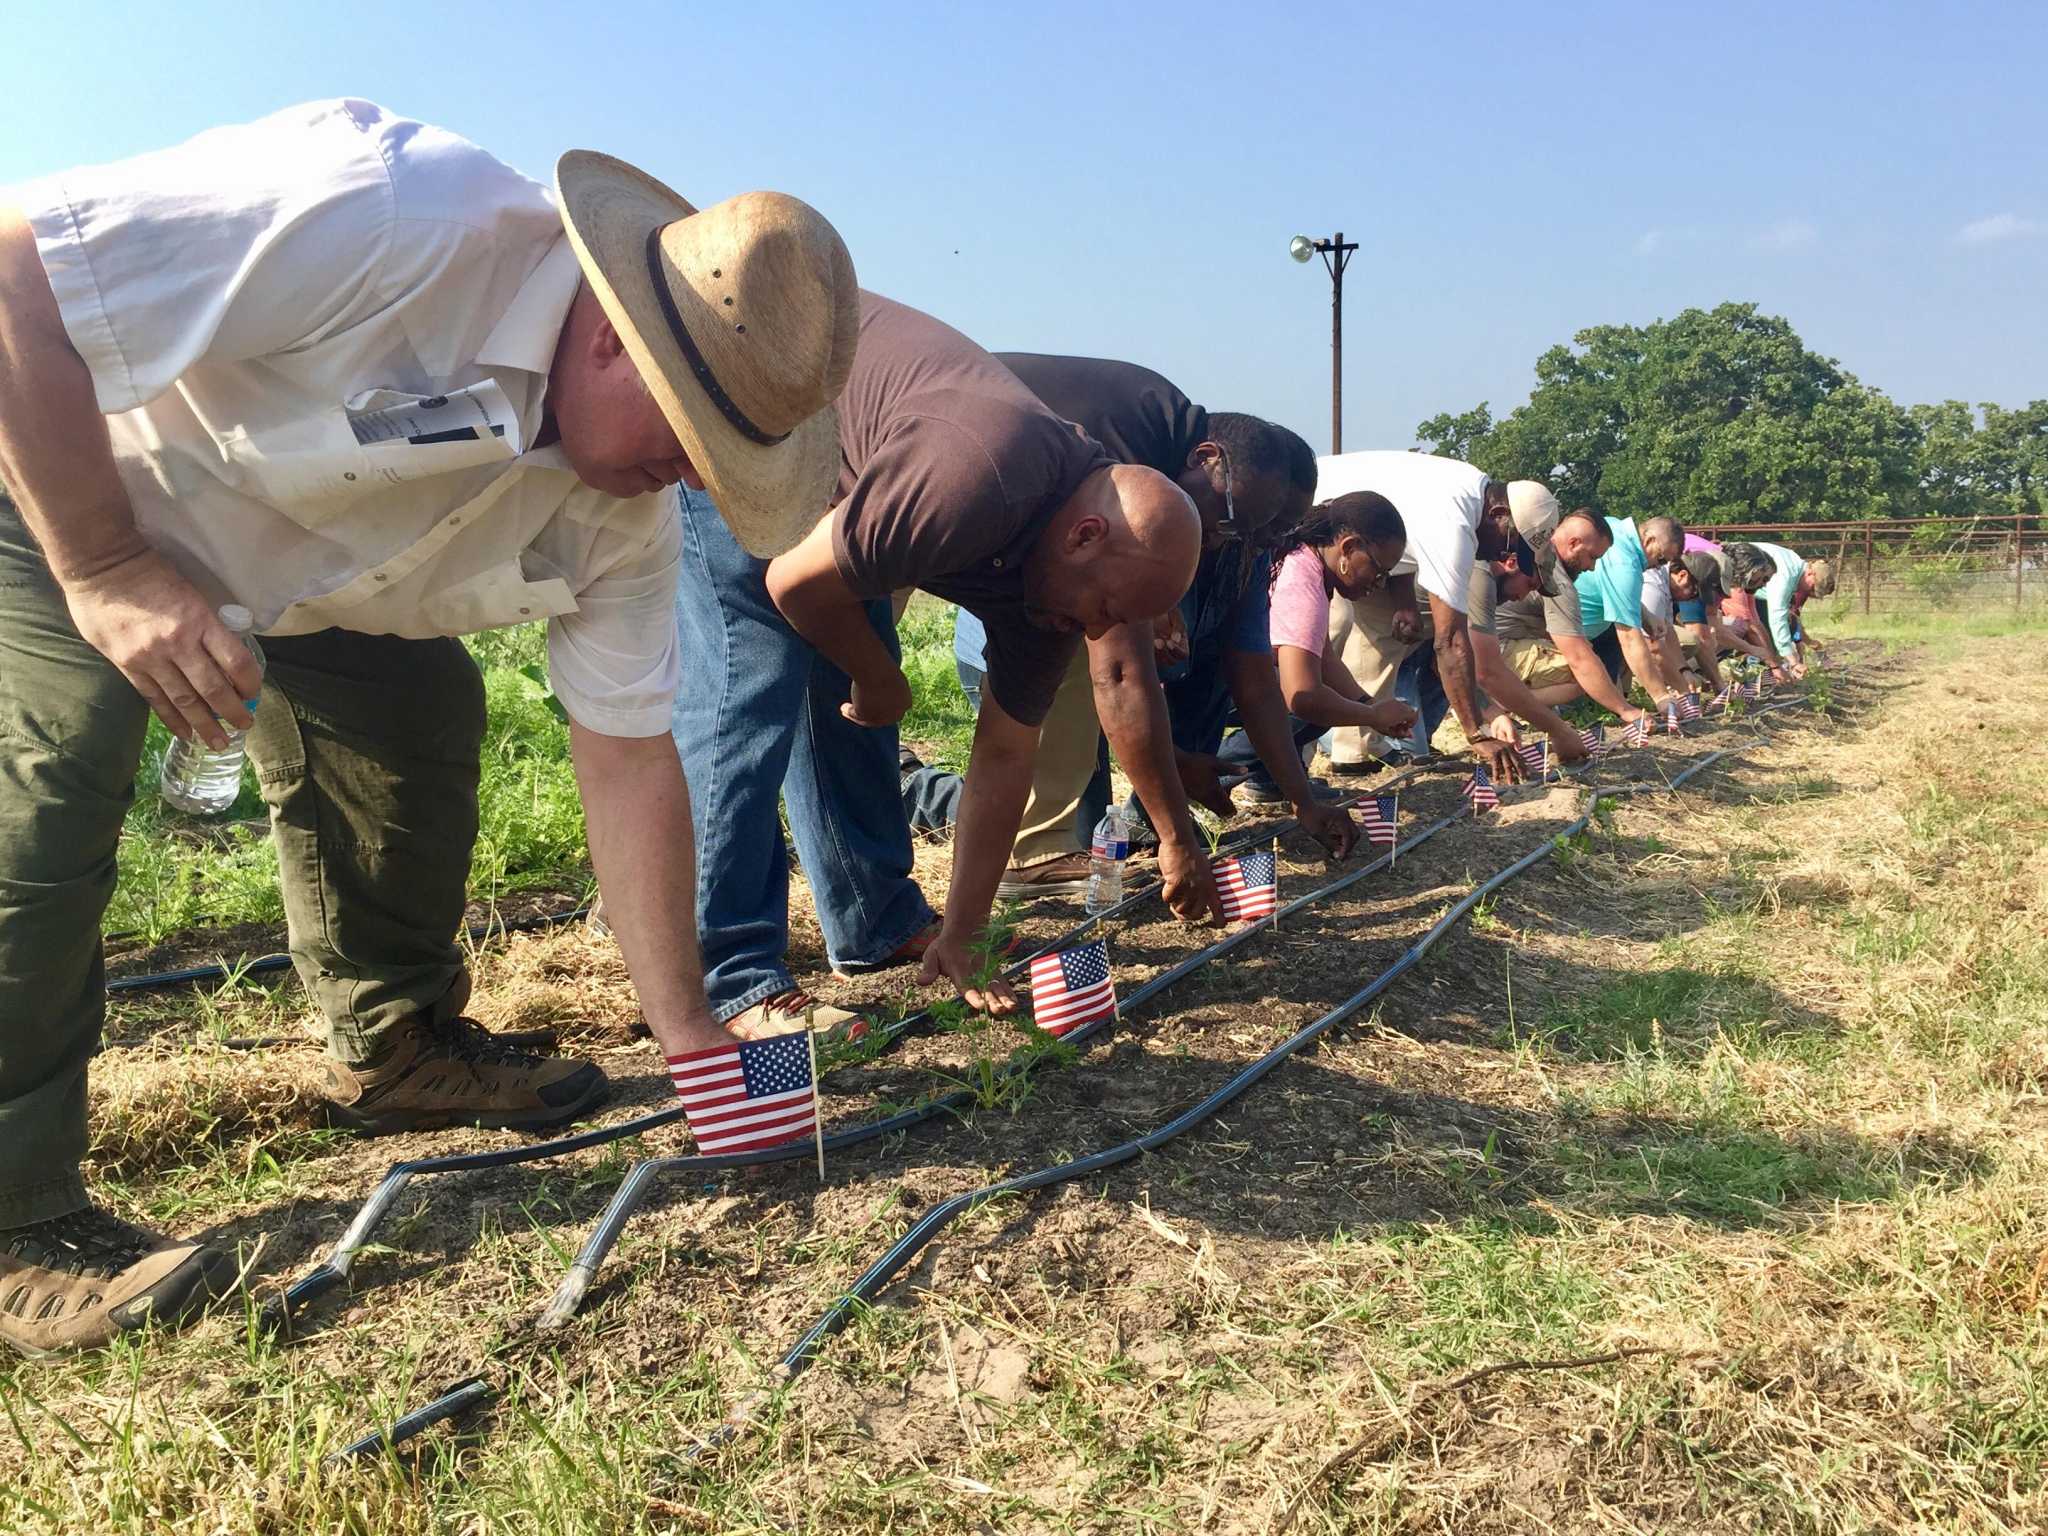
322, 341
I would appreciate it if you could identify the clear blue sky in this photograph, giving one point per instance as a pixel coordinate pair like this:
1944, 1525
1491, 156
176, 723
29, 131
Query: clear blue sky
1122, 180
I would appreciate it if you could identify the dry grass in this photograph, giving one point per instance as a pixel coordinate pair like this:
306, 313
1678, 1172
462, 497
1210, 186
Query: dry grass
1744, 1091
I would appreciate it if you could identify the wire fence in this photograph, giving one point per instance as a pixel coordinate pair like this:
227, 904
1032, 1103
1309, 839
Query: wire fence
1892, 564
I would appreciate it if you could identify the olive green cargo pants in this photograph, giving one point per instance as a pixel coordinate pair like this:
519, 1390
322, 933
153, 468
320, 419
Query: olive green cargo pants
366, 748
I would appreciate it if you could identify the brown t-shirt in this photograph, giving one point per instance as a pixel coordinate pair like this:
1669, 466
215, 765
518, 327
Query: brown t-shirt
949, 471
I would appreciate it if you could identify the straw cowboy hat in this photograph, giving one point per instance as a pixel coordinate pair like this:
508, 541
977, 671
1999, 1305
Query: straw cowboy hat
742, 320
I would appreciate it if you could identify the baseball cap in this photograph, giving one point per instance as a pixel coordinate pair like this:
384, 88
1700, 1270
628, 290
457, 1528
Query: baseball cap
1535, 513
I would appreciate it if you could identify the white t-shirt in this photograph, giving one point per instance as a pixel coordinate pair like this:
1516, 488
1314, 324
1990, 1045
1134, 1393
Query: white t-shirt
1440, 500
279, 316
1657, 594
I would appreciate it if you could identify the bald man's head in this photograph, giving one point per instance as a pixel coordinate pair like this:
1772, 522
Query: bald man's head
1122, 547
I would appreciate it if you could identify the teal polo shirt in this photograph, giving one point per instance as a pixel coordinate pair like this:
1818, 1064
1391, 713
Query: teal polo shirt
1612, 592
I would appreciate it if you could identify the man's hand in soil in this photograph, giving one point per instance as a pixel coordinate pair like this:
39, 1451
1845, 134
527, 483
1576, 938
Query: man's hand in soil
959, 963
1407, 625
1188, 883
1503, 763
1330, 826
1568, 745
166, 639
1201, 778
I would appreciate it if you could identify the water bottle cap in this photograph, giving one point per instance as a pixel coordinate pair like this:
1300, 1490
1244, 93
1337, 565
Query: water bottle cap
238, 618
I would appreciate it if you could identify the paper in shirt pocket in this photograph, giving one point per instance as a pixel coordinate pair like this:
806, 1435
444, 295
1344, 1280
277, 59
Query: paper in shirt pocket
320, 463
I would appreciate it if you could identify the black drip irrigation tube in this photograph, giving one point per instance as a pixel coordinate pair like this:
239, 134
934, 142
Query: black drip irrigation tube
474, 1391
262, 965
883, 1270
285, 1310
568, 1297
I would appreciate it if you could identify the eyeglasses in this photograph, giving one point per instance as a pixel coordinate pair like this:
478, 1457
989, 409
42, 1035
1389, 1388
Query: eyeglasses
1378, 572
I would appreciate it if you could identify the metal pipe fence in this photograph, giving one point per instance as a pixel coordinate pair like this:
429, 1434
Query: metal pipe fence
1901, 564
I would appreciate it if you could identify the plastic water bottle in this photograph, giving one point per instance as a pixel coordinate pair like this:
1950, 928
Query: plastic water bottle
1107, 851
196, 779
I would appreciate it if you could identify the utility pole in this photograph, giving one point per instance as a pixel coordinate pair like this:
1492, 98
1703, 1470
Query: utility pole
1336, 256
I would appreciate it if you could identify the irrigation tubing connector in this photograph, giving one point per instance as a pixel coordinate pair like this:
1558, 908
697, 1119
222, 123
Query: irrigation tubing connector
569, 1295
883, 1270
285, 1309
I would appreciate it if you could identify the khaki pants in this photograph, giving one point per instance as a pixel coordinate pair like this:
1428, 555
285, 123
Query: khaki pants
1060, 774
1362, 633
366, 749
1537, 662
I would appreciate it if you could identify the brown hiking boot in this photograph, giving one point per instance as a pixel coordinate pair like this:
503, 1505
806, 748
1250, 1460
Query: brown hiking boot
459, 1073
75, 1281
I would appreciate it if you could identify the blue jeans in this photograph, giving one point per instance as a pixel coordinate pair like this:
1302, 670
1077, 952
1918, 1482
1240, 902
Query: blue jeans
758, 713
1418, 686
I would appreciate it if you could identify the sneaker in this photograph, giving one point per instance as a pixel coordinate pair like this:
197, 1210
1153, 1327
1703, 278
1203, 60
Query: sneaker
1066, 875
907, 763
75, 1281
1263, 791
793, 1010
459, 1073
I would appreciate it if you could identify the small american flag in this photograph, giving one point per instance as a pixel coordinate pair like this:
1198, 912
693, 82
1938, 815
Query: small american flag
1720, 700
1377, 817
1688, 706
1536, 758
1752, 690
1072, 987
748, 1095
1595, 738
1249, 884
1636, 732
1671, 719
1480, 791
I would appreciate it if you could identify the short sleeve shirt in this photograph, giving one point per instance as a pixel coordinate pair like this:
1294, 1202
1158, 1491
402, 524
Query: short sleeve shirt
1300, 609
271, 311
1530, 617
1612, 592
1777, 595
1440, 500
950, 470
1141, 417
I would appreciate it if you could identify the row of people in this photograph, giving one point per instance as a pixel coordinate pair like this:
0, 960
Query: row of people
351, 373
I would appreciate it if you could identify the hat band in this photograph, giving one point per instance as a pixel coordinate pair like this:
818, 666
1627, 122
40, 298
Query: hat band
698, 366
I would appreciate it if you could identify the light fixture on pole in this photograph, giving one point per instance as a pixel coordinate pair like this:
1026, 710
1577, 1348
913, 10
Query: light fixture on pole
1336, 256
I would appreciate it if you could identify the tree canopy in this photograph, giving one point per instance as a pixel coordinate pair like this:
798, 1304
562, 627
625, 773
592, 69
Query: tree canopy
1725, 415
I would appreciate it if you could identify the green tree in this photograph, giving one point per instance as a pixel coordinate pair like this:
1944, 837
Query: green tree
1719, 415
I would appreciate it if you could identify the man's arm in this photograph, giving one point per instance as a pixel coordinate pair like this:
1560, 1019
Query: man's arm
1254, 685
1665, 638
806, 586
129, 603
991, 809
1511, 693
1643, 662
1132, 709
1708, 640
1455, 671
1592, 676
636, 812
